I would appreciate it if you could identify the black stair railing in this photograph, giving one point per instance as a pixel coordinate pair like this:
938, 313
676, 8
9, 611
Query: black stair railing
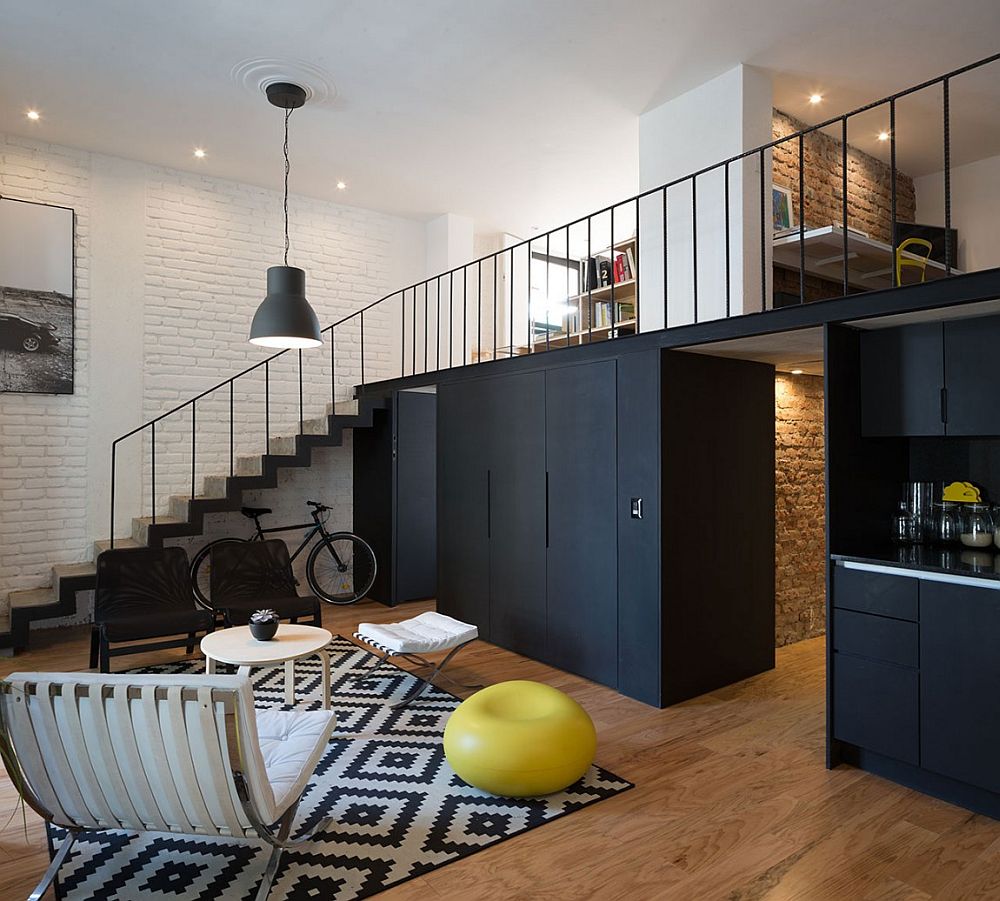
420, 351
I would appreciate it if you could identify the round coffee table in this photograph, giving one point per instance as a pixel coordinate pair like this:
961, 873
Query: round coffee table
239, 648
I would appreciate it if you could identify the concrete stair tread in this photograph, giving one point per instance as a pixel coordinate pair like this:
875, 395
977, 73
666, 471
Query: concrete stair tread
69, 570
32, 597
104, 544
161, 520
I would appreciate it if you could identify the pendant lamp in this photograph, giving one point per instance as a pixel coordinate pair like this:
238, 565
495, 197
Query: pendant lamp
284, 319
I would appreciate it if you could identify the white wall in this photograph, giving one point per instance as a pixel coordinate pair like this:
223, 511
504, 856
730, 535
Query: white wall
975, 199
170, 267
715, 121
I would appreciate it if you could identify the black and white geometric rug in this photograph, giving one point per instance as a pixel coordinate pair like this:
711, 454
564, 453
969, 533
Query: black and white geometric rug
398, 808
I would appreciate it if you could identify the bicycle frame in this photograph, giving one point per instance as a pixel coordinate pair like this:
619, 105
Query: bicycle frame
315, 526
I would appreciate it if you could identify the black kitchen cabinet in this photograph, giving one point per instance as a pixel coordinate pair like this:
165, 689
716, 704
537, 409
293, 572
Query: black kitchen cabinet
582, 533
970, 353
514, 427
395, 470
959, 682
902, 377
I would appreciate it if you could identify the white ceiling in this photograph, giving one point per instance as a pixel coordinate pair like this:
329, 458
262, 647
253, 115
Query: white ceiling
518, 113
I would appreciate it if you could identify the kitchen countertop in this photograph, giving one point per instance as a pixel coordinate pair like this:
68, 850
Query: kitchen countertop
960, 561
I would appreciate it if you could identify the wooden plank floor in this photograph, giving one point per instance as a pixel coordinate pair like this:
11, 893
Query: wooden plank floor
732, 801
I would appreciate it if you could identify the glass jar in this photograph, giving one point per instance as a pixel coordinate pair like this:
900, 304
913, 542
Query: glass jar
904, 526
947, 527
976, 525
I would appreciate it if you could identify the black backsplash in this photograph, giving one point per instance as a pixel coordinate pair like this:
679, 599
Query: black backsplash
946, 460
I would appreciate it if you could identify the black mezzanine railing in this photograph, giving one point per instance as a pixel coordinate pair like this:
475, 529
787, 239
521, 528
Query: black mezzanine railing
598, 271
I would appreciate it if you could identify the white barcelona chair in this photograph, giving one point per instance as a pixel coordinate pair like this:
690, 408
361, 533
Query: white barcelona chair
158, 753
427, 633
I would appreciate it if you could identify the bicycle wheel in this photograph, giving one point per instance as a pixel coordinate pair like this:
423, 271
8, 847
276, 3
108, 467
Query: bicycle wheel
341, 568
201, 571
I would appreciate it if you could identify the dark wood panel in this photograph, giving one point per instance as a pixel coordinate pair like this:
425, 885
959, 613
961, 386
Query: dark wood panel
514, 430
718, 522
462, 492
878, 593
902, 374
639, 539
960, 682
582, 534
415, 532
970, 352
876, 706
879, 637
373, 497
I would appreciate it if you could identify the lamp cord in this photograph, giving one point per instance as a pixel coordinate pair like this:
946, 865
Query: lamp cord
288, 113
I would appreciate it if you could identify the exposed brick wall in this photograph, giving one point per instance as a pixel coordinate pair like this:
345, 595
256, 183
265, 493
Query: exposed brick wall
868, 182
205, 247
800, 541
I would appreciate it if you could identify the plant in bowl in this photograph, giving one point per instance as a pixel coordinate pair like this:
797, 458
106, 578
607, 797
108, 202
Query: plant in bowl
264, 625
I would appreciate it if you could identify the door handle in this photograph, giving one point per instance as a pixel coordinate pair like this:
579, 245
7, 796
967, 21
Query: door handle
546, 508
489, 503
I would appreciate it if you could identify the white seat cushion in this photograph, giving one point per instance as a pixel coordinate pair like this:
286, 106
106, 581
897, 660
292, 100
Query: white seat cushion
423, 634
292, 742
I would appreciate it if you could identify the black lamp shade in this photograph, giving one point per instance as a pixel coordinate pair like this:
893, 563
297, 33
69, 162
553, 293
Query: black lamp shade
284, 318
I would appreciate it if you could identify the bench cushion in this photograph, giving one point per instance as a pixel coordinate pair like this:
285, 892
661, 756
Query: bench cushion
423, 634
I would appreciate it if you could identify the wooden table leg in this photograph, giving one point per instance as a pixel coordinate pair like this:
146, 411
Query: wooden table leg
325, 662
290, 682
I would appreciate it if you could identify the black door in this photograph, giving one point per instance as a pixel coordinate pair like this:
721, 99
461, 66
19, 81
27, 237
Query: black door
514, 428
970, 352
415, 509
959, 682
463, 504
902, 375
582, 583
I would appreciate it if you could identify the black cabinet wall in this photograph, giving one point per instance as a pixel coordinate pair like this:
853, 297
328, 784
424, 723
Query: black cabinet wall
395, 496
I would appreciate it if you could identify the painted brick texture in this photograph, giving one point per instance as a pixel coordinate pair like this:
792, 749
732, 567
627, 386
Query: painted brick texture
800, 540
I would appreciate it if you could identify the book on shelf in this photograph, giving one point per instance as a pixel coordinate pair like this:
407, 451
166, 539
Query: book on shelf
605, 272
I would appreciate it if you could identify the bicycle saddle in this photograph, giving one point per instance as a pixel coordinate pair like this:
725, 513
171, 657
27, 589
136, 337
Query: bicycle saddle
254, 512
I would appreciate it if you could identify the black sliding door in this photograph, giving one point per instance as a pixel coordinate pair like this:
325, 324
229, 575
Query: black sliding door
463, 505
415, 458
514, 427
582, 574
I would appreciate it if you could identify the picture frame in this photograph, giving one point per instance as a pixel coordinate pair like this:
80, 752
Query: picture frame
37, 297
782, 208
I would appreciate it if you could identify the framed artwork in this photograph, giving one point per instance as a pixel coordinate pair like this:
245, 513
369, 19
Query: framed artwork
781, 208
37, 268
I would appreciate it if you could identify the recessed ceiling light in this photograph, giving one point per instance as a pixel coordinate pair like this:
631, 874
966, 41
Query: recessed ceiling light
199, 153
341, 185
33, 115
798, 371
815, 98
883, 136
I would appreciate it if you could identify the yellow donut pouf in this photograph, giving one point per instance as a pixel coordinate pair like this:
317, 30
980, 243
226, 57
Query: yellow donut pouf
520, 739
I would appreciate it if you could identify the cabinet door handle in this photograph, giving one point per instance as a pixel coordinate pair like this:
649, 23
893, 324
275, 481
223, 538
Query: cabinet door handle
944, 405
489, 503
546, 508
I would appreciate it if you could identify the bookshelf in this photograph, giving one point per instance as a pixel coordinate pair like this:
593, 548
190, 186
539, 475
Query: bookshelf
602, 311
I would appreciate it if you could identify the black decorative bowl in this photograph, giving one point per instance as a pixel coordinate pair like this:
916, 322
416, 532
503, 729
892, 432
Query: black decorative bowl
264, 631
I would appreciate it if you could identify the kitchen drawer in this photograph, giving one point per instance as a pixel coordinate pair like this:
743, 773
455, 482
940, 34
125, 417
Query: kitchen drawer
875, 706
890, 640
878, 593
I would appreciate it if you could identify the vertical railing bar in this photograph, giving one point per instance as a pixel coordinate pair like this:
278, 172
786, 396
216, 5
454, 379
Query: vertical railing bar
666, 321
426, 322
531, 331
510, 278
451, 319
568, 292
479, 311
402, 332
892, 188
843, 189
694, 242
802, 220
635, 275
267, 407
465, 309
362, 318
413, 342
763, 235
496, 257
946, 100
548, 331
301, 408
614, 311
232, 428
590, 283
152, 472
114, 453
725, 181
193, 432
437, 327
333, 371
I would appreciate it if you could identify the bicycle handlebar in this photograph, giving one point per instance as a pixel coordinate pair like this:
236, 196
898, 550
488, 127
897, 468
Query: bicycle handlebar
320, 508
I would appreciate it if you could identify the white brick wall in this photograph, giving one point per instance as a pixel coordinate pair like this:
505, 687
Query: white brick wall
205, 248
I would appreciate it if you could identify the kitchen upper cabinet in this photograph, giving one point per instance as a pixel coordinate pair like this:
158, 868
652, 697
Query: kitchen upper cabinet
970, 353
902, 377
959, 682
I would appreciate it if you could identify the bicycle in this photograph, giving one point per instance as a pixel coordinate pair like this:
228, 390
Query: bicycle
340, 567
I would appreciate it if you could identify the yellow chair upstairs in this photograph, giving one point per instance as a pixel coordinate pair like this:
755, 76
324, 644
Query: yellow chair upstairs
915, 260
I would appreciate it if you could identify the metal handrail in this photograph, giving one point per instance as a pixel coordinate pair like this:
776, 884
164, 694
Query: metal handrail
759, 153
